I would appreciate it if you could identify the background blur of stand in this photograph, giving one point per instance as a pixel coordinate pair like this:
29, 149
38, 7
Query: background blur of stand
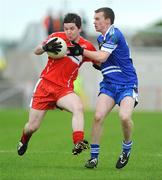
21, 68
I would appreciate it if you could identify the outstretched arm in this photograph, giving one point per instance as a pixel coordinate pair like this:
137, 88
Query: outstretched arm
98, 56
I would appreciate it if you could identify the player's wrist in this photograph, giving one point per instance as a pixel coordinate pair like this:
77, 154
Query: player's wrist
44, 47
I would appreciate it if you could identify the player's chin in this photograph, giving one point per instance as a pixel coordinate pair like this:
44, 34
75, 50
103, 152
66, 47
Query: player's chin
70, 38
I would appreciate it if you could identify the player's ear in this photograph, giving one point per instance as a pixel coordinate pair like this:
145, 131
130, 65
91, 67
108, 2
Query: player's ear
108, 20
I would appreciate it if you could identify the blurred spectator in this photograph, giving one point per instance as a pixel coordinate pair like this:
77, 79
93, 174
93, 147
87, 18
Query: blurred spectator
48, 23
53, 23
58, 22
84, 25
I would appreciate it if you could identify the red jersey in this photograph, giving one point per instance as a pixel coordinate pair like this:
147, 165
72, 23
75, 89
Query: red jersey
64, 71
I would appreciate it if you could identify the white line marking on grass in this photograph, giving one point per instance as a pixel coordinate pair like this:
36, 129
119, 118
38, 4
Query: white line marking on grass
48, 152
36, 152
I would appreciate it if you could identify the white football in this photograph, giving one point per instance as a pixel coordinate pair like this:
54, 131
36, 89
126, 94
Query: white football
63, 51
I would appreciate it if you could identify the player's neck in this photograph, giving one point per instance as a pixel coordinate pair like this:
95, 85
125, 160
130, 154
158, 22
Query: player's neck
105, 30
77, 39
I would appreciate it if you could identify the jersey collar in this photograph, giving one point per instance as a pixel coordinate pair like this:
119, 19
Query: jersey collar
109, 29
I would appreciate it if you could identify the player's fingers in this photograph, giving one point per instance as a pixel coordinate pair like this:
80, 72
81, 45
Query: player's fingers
57, 46
57, 50
57, 43
55, 39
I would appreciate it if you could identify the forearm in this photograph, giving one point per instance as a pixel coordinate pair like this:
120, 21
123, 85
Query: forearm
98, 56
39, 50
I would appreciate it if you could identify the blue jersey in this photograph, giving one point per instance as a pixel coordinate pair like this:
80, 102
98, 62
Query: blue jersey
118, 68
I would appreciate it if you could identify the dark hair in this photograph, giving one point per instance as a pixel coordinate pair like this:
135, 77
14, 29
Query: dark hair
108, 13
73, 18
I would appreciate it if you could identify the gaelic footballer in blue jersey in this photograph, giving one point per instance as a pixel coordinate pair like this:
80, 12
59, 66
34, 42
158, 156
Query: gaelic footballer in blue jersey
118, 68
119, 84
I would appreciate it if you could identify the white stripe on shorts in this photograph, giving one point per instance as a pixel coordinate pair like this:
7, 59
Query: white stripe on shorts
36, 85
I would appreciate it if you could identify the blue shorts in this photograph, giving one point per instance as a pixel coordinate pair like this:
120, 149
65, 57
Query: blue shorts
118, 92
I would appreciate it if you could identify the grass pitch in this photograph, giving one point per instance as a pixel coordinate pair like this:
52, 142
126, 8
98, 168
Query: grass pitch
49, 153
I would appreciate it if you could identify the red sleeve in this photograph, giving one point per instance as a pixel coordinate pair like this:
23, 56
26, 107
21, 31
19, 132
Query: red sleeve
56, 34
50, 36
89, 47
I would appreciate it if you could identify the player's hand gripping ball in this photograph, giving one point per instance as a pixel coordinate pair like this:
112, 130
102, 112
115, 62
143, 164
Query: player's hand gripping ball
56, 47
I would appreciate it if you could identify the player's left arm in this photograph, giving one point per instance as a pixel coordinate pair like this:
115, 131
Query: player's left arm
89, 47
95, 64
97, 56
105, 49
49, 45
100, 56
39, 49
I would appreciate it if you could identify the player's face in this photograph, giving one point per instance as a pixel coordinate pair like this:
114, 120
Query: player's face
101, 24
72, 32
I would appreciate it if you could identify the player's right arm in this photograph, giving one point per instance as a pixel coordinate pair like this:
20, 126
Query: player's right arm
39, 50
50, 45
98, 56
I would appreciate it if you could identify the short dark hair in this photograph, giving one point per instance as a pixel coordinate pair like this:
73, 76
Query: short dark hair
73, 18
108, 13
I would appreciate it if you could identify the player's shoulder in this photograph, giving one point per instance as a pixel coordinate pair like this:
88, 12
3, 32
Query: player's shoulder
83, 40
86, 43
113, 31
117, 31
113, 35
59, 34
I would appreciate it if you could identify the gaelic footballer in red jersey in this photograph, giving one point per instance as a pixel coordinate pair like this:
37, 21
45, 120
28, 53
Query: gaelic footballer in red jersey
55, 86
64, 71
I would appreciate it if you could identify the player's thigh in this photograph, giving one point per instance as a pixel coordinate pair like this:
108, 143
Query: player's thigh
70, 102
126, 107
104, 105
